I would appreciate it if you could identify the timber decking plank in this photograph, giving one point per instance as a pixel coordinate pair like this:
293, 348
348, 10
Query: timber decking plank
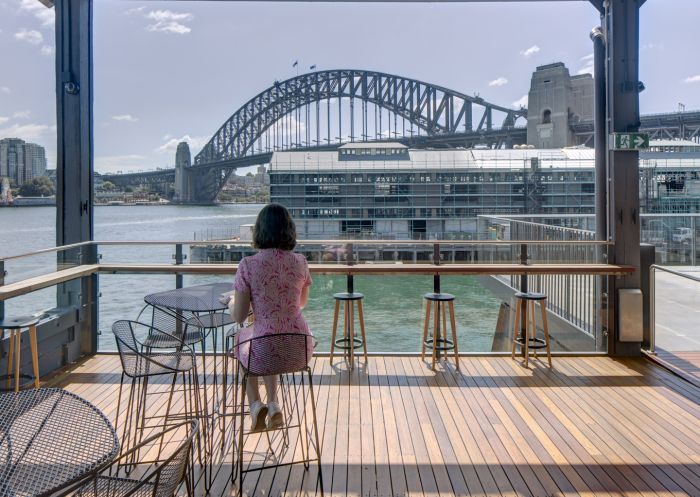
591, 426
644, 449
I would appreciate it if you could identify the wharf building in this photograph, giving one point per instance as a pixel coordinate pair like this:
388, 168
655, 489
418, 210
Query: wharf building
21, 161
387, 191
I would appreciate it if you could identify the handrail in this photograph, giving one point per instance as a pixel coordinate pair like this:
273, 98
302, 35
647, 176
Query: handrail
45, 251
652, 299
429, 243
51, 279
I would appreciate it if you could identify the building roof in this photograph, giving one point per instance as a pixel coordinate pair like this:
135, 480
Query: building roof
375, 145
560, 158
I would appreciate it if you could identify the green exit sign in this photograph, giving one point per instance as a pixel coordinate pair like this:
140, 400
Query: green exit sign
629, 141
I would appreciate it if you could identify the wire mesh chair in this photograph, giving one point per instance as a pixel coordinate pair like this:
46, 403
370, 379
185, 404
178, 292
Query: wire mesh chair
142, 363
161, 477
175, 325
261, 363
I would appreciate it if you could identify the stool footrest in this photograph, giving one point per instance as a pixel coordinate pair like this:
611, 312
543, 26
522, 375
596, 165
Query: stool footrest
344, 343
446, 344
535, 343
24, 376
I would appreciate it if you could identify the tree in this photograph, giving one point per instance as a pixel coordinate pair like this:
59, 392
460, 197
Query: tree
108, 186
37, 187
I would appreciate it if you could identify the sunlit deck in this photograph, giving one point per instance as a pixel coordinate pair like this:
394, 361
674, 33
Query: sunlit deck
591, 426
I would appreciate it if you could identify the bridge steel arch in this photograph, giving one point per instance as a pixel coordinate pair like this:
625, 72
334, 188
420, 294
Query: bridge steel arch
433, 109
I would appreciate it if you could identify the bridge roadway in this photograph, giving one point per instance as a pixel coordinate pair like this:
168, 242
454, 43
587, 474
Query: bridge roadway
676, 125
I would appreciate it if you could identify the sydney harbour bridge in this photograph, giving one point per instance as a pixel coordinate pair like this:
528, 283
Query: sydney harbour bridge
323, 109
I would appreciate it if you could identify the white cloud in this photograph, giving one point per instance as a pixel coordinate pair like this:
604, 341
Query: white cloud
167, 21
28, 132
195, 143
125, 117
47, 50
4, 89
45, 15
498, 81
530, 51
3, 119
30, 36
521, 102
692, 79
22, 114
135, 10
587, 69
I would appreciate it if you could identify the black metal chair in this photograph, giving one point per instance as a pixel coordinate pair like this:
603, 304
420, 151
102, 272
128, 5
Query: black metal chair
141, 363
260, 363
161, 477
191, 329
174, 324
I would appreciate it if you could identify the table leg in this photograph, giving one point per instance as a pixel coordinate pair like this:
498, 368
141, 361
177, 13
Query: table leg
35, 356
10, 357
18, 349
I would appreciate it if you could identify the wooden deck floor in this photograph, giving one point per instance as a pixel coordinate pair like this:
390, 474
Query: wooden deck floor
591, 426
686, 364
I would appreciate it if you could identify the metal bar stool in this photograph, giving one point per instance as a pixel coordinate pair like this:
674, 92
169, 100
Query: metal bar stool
260, 362
15, 327
437, 341
164, 356
349, 342
530, 340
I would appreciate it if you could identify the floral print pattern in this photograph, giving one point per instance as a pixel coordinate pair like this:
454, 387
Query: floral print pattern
274, 278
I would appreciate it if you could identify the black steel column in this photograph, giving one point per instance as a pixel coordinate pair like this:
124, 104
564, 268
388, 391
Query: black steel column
600, 135
74, 168
623, 87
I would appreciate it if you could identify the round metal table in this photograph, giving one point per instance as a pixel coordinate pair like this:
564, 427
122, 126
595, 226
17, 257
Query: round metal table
203, 303
198, 299
49, 440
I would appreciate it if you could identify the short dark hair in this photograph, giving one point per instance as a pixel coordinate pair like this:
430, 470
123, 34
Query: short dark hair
274, 228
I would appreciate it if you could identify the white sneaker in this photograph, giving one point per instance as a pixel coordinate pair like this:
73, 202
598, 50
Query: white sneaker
274, 413
258, 411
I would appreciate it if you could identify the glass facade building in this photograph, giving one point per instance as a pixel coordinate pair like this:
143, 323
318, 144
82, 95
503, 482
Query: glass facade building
389, 191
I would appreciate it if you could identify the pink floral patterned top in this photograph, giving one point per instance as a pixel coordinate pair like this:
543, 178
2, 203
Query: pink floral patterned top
274, 278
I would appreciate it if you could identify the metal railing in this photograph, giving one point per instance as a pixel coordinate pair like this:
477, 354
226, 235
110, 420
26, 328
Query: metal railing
652, 298
571, 297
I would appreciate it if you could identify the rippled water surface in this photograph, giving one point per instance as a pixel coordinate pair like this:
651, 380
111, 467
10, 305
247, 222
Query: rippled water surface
393, 304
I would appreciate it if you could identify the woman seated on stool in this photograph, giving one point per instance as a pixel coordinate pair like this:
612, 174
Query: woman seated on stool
275, 282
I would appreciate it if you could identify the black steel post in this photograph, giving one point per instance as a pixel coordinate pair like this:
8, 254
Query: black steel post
350, 260
436, 289
436, 261
179, 259
622, 109
523, 289
2, 282
74, 166
647, 259
600, 140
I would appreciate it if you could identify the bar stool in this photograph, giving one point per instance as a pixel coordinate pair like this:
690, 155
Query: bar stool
530, 340
349, 342
15, 327
438, 341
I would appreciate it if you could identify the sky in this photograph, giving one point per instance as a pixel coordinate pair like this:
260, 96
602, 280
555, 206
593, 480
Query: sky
171, 71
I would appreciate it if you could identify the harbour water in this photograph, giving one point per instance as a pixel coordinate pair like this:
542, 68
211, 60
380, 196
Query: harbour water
393, 304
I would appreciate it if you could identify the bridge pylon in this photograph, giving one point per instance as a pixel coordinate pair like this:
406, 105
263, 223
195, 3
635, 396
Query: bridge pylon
184, 176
